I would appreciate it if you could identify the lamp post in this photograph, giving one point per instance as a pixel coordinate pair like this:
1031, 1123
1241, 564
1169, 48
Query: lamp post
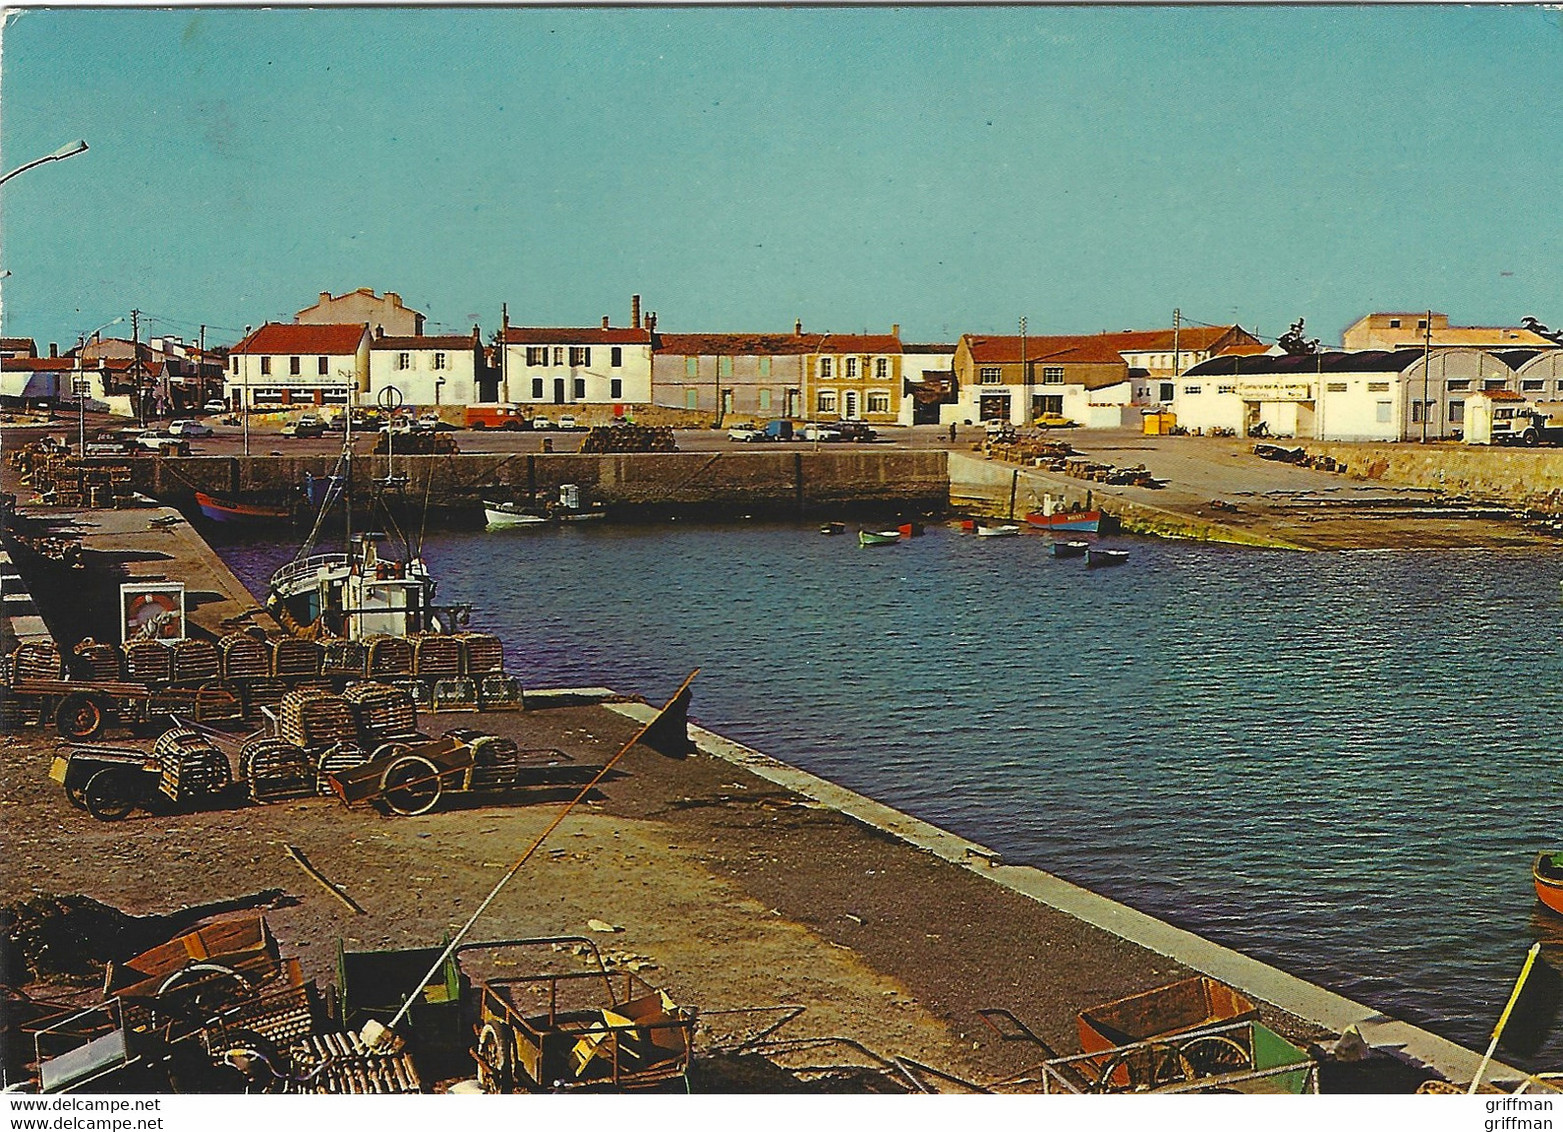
78, 381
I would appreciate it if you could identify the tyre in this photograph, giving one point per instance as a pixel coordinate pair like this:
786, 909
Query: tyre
1530, 438
512, 426
479, 426
110, 795
410, 785
79, 716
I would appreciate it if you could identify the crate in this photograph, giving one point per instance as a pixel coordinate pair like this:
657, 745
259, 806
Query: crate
498, 692
196, 659
382, 712
390, 656
293, 659
190, 765
276, 770
315, 719
242, 657
436, 655
345, 658
94, 661
149, 662
459, 694
37, 660
485, 653
340, 757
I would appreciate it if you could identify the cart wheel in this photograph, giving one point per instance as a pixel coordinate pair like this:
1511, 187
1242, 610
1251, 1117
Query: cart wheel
493, 1058
389, 749
1214, 1054
410, 785
79, 716
109, 796
77, 796
199, 991
1143, 1068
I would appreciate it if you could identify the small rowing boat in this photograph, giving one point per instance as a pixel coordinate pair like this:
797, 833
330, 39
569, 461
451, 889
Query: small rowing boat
1098, 556
1547, 872
1071, 549
220, 510
1086, 521
878, 538
832, 528
1006, 530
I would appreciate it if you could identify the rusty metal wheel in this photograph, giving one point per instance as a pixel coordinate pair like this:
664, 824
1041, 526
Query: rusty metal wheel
410, 785
1143, 1068
79, 716
494, 1058
110, 795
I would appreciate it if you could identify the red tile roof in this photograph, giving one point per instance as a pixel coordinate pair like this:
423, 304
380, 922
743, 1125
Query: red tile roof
1188, 338
27, 344
303, 338
576, 336
43, 365
425, 342
1061, 349
737, 345
858, 344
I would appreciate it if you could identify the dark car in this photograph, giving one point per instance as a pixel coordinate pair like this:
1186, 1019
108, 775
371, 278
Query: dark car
855, 430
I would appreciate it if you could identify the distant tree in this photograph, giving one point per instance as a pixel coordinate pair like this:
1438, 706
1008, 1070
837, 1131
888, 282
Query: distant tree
1295, 344
1536, 326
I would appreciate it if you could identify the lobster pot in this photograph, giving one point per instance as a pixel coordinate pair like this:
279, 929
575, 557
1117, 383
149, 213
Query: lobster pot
458, 694
149, 662
498, 692
390, 656
340, 757
345, 658
190, 765
36, 660
96, 662
243, 657
293, 659
496, 761
276, 770
421, 691
315, 719
484, 652
382, 712
263, 693
436, 655
196, 660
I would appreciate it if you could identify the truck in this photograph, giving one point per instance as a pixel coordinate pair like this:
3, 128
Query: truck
1502, 417
778, 430
507, 417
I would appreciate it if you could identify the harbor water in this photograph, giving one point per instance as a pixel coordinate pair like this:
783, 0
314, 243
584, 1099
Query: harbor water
1340, 763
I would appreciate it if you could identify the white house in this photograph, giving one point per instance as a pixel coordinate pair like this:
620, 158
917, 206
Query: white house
439, 369
551, 365
287, 364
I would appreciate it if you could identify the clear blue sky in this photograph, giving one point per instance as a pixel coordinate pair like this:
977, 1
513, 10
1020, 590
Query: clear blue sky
948, 169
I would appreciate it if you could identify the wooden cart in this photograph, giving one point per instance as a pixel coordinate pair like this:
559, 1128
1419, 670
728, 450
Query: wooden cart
108, 782
411, 778
83, 709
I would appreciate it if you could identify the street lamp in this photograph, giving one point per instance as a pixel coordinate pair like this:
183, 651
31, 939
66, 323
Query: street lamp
60, 154
79, 381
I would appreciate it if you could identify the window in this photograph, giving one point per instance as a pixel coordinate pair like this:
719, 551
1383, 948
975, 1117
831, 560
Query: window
824, 367
1191, 391
616, 388
266, 365
322, 365
1378, 387
616, 357
1560, 387
1456, 412
1052, 375
580, 355
691, 397
439, 360
1494, 383
1421, 324
1421, 410
765, 367
404, 361
827, 402
1533, 385
293, 364
580, 388
851, 367
1382, 411
691, 367
234, 361
724, 366
558, 355
765, 395
1459, 383
1394, 324
878, 402
537, 389
1335, 387
537, 355
1167, 392
991, 375
1226, 389
881, 369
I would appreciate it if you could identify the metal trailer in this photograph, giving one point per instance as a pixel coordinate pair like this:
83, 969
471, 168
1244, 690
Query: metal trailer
591, 1030
83, 709
412, 778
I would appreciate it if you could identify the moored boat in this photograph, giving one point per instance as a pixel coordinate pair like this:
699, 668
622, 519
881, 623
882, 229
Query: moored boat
1547, 872
220, 510
1005, 530
878, 538
832, 528
500, 515
1074, 548
1086, 521
1101, 556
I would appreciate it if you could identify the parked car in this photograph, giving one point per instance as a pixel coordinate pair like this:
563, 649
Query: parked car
821, 432
162, 442
745, 434
856, 430
189, 429
303, 427
433, 422
215, 405
1053, 420
779, 430
567, 423
997, 426
540, 424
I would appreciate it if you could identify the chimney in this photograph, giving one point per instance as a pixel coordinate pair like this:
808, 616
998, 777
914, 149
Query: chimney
379, 331
895, 330
651, 323
325, 296
476, 332
797, 327
605, 322
635, 311
54, 349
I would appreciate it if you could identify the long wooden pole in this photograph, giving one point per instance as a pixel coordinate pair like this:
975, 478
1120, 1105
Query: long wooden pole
1503, 1019
450, 948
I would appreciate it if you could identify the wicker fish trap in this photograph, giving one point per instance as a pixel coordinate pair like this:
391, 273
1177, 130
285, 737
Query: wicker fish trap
293, 659
341, 756
191, 766
485, 653
345, 658
94, 661
149, 662
455, 694
243, 657
498, 692
315, 719
390, 656
36, 660
436, 655
196, 659
382, 712
276, 770
496, 760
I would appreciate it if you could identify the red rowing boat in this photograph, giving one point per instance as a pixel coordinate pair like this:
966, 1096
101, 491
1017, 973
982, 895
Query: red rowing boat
1548, 874
231, 511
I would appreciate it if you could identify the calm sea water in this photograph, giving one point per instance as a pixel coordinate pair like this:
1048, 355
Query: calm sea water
1338, 763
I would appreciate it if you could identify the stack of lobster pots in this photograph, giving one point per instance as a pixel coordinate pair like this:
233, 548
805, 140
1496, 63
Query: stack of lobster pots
382, 713
486, 669
321, 724
276, 770
191, 766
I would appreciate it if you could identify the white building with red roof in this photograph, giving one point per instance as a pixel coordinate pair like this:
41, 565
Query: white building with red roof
287, 364
427, 370
604, 366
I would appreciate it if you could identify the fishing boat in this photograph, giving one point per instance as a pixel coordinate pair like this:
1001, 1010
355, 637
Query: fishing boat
1074, 548
506, 514
220, 510
1087, 521
1100, 556
1005, 530
878, 538
1548, 875
832, 528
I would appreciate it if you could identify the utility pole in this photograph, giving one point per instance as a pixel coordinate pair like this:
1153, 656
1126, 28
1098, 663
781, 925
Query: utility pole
200, 369
1427, 358
504, 333
1025, 382
1177, 326
135, 367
